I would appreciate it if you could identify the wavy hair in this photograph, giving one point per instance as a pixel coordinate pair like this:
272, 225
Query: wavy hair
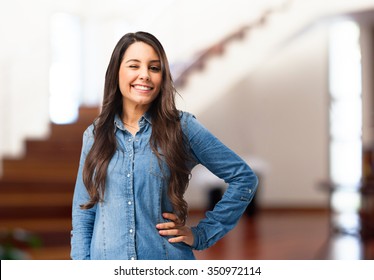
167, 139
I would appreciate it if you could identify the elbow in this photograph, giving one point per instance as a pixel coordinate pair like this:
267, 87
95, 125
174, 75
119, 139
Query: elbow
253, 182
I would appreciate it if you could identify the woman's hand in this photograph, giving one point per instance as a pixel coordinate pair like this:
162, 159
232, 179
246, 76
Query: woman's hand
182, 233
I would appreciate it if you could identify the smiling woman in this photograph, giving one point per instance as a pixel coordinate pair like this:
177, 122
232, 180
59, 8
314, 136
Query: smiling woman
139, 81
136, 163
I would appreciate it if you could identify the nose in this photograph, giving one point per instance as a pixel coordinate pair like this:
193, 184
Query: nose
144, 75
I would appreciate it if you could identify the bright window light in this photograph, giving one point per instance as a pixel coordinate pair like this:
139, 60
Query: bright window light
65, 71
346, 104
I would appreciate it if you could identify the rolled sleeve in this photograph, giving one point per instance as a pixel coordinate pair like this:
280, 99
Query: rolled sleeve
227, 165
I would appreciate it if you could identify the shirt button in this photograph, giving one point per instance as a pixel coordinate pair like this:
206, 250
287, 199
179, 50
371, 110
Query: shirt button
129, 203
130, 230
130, 139
128, 175
250, 191
132, 258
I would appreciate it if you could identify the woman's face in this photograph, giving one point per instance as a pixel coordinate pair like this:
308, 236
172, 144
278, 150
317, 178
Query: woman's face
140, 76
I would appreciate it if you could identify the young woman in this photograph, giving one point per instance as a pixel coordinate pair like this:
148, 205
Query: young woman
135, 165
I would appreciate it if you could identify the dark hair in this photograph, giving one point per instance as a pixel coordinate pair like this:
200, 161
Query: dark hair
166, 138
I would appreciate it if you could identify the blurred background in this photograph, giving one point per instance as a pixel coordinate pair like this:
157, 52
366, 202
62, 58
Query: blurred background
287, 84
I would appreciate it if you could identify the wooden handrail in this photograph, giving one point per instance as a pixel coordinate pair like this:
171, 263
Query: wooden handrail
218, 48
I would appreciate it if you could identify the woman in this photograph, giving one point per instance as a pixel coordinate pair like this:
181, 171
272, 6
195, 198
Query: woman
136, 162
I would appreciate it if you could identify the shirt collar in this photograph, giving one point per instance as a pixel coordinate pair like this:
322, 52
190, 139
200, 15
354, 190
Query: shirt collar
118, 123
147, 117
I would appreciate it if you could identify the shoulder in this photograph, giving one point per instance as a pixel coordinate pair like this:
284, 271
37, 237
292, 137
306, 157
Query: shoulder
190, 125
88, 137
89, 132
187, 117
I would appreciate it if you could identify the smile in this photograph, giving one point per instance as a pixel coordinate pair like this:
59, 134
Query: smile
142, 87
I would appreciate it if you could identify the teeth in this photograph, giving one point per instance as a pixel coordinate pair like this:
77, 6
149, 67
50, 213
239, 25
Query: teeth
142, 87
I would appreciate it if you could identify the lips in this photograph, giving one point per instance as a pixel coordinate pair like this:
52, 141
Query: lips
142, 87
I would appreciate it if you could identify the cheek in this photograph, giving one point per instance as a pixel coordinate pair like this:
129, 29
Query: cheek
122, 86
124, 81
158, 82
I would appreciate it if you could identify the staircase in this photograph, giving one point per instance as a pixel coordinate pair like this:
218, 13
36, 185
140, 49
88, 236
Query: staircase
36, 191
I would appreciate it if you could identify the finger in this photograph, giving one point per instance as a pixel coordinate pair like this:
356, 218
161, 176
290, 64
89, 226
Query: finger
170, 216
189, 240
177, 239
174, 218
166, 225
183, 239
170, 232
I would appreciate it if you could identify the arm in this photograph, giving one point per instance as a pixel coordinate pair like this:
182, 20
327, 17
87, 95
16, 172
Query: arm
82, 220
225, 164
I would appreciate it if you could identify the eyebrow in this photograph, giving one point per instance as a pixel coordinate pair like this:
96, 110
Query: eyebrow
137, 60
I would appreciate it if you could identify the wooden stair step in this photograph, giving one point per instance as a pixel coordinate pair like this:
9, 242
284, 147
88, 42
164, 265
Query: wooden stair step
36, 162
75, 130
50, 253
40, 185
29, 212
49, 239
32, 169
67, 132
35, 199
88, 114
36, 191
48, 174
37, 225
44, 149
50, 232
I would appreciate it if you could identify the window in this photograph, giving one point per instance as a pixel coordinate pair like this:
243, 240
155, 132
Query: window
345, 122
346, 104
65, 75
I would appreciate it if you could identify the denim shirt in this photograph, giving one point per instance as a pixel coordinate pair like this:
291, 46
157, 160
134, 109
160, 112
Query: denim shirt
123, 226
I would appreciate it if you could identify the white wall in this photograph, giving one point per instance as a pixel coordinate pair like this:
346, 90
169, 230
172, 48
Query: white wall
25, 51
184, 29
25, 61
278, 115
278, 112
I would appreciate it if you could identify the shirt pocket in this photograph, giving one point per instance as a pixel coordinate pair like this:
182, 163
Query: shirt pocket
116, 179
158, 167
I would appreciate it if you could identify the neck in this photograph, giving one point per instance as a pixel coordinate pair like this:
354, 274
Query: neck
131, 116
130, 120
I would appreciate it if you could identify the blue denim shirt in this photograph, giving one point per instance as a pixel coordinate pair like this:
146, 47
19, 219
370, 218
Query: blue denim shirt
123, 226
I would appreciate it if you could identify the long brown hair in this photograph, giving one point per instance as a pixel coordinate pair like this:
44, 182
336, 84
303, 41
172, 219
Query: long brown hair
167, 139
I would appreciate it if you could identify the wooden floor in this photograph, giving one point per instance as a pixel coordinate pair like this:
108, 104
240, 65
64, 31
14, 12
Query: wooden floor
269, 235
36, 192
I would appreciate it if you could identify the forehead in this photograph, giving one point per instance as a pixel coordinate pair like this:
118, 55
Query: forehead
140, 51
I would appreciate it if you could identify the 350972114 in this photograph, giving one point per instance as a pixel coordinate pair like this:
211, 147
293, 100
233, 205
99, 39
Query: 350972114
234, 270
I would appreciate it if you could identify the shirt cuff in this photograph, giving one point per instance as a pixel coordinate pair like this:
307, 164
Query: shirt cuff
197, 239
